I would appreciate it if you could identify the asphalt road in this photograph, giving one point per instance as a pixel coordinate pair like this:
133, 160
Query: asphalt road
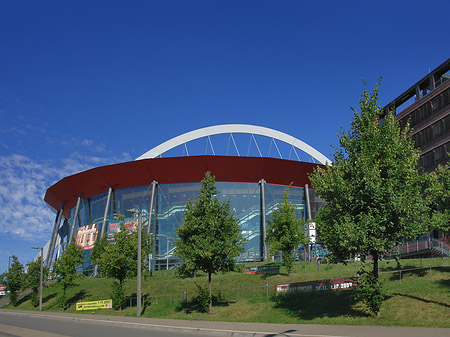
29, 325
55, 324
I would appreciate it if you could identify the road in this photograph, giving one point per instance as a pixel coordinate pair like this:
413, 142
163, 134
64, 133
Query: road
55, 324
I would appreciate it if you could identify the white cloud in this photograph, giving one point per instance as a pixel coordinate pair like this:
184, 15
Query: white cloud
23, 183
86, 142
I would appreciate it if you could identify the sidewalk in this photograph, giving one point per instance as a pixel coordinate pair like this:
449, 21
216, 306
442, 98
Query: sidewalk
208, 328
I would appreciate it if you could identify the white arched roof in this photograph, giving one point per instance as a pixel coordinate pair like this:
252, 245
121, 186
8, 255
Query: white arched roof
230, 129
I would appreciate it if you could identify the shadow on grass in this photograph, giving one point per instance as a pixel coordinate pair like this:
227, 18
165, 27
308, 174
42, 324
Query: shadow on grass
49, 297
196, 305
444, 283
422, 299
23, 299
418, 273
76, 298
319, 304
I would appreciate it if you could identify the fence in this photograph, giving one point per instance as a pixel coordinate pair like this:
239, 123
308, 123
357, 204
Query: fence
266, 290
401, 272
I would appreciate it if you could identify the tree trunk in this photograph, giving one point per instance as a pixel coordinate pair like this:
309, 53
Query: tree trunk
375, 265
210, 293
375, 274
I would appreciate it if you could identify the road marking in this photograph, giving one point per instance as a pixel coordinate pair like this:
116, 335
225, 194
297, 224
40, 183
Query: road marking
199, 329
16, 331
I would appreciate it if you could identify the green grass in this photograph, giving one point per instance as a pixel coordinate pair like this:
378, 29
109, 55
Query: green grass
421, 298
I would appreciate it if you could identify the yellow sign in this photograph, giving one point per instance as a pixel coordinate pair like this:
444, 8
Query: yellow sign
104, 304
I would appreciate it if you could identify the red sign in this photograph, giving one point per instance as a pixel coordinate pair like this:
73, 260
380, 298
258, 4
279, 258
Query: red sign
132, 226
86, 236
340, 283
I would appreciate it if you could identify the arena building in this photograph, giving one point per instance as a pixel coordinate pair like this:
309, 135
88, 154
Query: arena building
87, 204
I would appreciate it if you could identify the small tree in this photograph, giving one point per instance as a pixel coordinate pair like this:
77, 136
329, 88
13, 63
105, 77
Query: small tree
210, 236
373, 191
285, 231
118, 259
437, 193
33, 279
14, 279
65, 271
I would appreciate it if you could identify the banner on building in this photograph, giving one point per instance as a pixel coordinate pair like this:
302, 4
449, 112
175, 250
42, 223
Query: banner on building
131, 225
262, 270
86, 236
93, 305
340, 283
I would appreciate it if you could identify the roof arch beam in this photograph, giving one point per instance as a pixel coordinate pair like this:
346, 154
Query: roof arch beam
230, 129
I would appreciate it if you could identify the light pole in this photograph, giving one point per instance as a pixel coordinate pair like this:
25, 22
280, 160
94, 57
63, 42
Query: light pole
167, 247
138, 312
40, 276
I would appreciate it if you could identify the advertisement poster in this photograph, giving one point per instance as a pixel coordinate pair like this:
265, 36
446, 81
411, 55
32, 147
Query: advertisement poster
131, 225
262, 270
104, 304
86, 236
341, 283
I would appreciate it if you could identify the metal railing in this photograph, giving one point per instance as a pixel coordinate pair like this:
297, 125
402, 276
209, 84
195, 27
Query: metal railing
266, 290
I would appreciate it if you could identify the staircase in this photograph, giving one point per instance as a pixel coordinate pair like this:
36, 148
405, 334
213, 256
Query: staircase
424, 248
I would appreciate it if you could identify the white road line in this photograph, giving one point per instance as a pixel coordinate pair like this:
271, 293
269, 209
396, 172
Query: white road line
176, 327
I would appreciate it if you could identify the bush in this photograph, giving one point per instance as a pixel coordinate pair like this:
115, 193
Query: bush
201, 300
118, 296
370, 291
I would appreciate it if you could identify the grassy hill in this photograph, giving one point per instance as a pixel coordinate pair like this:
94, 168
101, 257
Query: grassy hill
419, 295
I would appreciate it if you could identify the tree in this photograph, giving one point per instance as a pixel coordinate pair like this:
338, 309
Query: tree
14, 279
33, 279
285, 231
372, 189
437, 193
210, 236
65, 270
118, 259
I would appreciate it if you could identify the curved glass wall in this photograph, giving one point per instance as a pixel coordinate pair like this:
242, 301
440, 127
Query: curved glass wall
167, 212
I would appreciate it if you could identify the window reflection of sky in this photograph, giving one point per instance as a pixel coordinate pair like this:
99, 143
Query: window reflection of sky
169, 205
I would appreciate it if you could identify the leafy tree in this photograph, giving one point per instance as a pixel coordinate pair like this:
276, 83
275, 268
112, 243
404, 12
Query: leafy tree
210, 236
437, 193
65, 271
118, 259
373, 190
14, 279
285, 231
33, 279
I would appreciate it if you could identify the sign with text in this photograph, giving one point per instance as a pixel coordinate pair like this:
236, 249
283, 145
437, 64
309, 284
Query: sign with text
131, 225
86, 236
262, 270
340, 283
92, 305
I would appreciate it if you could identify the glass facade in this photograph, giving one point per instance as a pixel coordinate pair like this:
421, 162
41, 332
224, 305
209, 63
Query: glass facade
169, 201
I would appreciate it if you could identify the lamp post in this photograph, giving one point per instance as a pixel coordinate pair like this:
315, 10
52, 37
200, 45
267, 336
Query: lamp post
138, 312
167, 247
40, 276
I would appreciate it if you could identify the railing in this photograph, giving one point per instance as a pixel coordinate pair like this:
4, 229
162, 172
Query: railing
267, 290
436, 247
440, 247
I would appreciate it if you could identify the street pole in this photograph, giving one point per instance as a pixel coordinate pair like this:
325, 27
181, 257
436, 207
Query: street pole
139, 266
139, 230
40, 281
167, 257
40, 276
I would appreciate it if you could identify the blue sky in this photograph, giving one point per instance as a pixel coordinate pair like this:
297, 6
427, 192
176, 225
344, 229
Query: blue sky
90, 83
